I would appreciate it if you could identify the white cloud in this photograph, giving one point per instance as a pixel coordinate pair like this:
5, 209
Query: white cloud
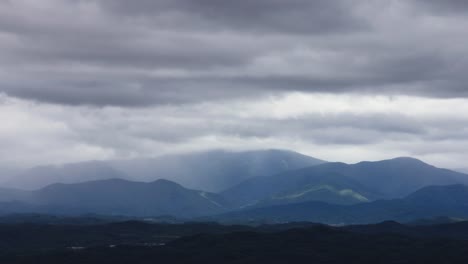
346, 128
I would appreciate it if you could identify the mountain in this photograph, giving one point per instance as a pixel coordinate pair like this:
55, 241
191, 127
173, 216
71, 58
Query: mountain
8, 172
342, 183
118, 197
401, 176
42, 176
441, 196
396, 178
429, 202
7, 194
462, 170
211, 170
214, 170
298, 186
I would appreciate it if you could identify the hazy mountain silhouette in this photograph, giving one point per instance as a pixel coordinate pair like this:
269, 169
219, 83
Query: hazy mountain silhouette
462, 170
210, 170
118, 197
214, 170
42, 176
8, 195
330, 192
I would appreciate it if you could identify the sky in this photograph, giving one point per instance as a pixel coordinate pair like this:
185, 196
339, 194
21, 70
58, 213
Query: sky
341, 80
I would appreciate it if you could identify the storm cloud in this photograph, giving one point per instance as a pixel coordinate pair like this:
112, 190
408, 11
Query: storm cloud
139, 53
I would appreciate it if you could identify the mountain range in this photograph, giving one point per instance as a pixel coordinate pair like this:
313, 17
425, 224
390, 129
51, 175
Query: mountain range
428, 202
211, 171
394, 178
270, 185
298, 186
340, 183
114, 197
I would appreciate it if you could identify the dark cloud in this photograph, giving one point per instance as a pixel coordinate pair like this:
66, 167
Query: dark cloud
342, 128
140, 53
261, 16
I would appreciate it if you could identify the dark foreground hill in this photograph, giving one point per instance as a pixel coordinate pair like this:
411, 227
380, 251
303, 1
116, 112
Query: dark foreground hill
382, 243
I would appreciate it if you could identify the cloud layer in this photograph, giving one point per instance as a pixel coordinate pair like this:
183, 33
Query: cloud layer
341, 80
333, 127
134, 53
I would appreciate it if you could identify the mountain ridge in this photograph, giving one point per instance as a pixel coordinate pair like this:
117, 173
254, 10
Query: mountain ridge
428, 202
121, 197
215, 170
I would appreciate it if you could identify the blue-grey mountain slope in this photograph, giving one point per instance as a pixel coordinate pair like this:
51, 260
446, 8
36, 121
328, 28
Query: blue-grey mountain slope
118, 197
41, 176
298, 186
395, 178
8, 195
462, 170
429, 202
340, 183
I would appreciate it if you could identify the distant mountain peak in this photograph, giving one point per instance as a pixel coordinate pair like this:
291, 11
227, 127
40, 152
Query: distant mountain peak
397, 160
165, 182
95, 182
408, 160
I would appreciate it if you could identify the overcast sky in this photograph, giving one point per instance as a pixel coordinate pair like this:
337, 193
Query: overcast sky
341, 80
